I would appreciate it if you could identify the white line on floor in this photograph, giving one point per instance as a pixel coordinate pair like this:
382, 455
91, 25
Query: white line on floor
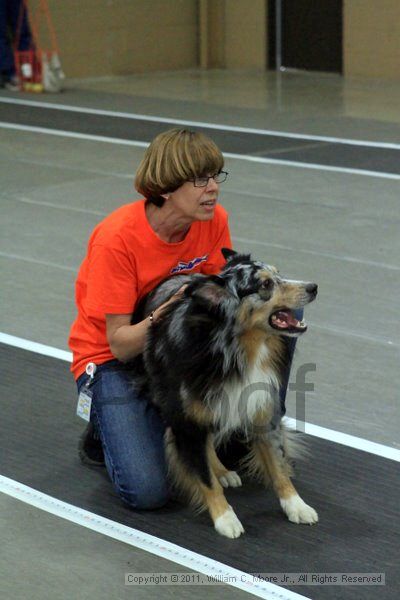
254, 242
77, 169
341, 332
37, 261
313, 166
345, 439
149, 543
249, 158
314, 430
72, 134
219, 126
17, 342
344, 258
86, 211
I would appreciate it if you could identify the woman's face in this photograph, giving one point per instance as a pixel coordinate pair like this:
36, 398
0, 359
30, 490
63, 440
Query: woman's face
195, 203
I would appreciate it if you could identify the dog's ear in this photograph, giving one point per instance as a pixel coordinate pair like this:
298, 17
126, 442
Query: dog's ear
234, 258
210, 293
227, 253
218, 280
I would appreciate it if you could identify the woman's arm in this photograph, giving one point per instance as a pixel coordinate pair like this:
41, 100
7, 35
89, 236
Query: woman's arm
127, 341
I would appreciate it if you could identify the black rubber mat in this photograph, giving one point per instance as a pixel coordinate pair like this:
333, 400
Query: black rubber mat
352, 156
355, 493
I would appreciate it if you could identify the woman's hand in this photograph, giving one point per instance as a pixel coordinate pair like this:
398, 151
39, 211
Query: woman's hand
157, 313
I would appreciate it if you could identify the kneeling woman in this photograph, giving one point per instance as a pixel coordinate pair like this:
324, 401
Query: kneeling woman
178, 227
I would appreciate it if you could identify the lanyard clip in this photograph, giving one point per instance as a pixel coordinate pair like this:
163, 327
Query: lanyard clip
91, 370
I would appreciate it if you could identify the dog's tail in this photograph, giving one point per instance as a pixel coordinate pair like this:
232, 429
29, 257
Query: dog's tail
295, 443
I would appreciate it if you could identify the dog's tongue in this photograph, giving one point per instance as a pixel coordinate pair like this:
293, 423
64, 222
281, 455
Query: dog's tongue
286, 318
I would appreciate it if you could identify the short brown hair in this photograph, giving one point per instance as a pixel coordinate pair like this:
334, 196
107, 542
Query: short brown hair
172, 158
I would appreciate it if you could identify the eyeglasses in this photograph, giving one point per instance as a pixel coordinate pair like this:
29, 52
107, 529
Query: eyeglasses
203, 181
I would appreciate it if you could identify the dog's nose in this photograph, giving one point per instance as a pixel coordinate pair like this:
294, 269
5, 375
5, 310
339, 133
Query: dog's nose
311, 288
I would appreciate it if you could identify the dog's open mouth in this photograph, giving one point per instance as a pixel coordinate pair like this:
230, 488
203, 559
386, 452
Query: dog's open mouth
284, 319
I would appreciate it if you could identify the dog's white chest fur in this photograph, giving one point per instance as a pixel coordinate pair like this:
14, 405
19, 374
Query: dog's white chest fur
241, 399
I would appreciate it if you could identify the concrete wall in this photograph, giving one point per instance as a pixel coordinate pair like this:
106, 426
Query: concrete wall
371, 46
233, 34
118, 37
245, 34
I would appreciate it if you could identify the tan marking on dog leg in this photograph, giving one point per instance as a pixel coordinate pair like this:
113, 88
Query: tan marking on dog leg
200, 495
222, 514
226, 477
292, 504
273, 470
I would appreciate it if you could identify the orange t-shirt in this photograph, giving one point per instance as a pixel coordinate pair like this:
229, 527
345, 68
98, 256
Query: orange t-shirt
125, 260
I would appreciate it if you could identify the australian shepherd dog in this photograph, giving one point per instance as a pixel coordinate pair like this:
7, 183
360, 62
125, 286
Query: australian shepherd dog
214, 361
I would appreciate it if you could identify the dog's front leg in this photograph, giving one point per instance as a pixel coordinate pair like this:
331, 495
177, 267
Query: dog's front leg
225, 477
222, 514
194, 474
269, 454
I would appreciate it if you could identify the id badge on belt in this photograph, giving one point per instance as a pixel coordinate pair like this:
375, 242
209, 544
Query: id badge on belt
85, 395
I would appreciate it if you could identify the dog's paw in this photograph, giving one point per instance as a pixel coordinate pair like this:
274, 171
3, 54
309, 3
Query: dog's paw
298, 511
229, 525
230, 479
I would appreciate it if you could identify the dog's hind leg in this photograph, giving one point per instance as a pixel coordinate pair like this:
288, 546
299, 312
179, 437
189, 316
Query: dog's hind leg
226, 477
190, 462
268, 456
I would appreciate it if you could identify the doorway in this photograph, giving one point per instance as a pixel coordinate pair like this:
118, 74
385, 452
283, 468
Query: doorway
306, 34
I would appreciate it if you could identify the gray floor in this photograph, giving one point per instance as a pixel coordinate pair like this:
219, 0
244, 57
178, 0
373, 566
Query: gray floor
49, 558
338, 229
359, 525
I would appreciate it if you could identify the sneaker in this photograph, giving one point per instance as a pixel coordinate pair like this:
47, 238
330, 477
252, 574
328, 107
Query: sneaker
11, 84
90, 448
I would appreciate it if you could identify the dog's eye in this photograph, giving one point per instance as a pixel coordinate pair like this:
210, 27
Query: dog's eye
268, 284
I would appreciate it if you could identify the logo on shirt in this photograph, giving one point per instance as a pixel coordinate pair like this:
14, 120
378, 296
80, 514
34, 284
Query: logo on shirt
188, 266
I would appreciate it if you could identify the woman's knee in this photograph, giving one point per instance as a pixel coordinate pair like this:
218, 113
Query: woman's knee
141, 488
148, 495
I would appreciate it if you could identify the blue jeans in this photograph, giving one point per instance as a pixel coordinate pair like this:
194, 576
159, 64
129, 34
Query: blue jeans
132, 436
132, 433
9, 22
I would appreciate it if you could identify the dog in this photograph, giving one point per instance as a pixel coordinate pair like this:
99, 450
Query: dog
214, 362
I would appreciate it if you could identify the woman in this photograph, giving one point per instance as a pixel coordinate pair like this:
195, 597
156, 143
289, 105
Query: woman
177, 228
14, 30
